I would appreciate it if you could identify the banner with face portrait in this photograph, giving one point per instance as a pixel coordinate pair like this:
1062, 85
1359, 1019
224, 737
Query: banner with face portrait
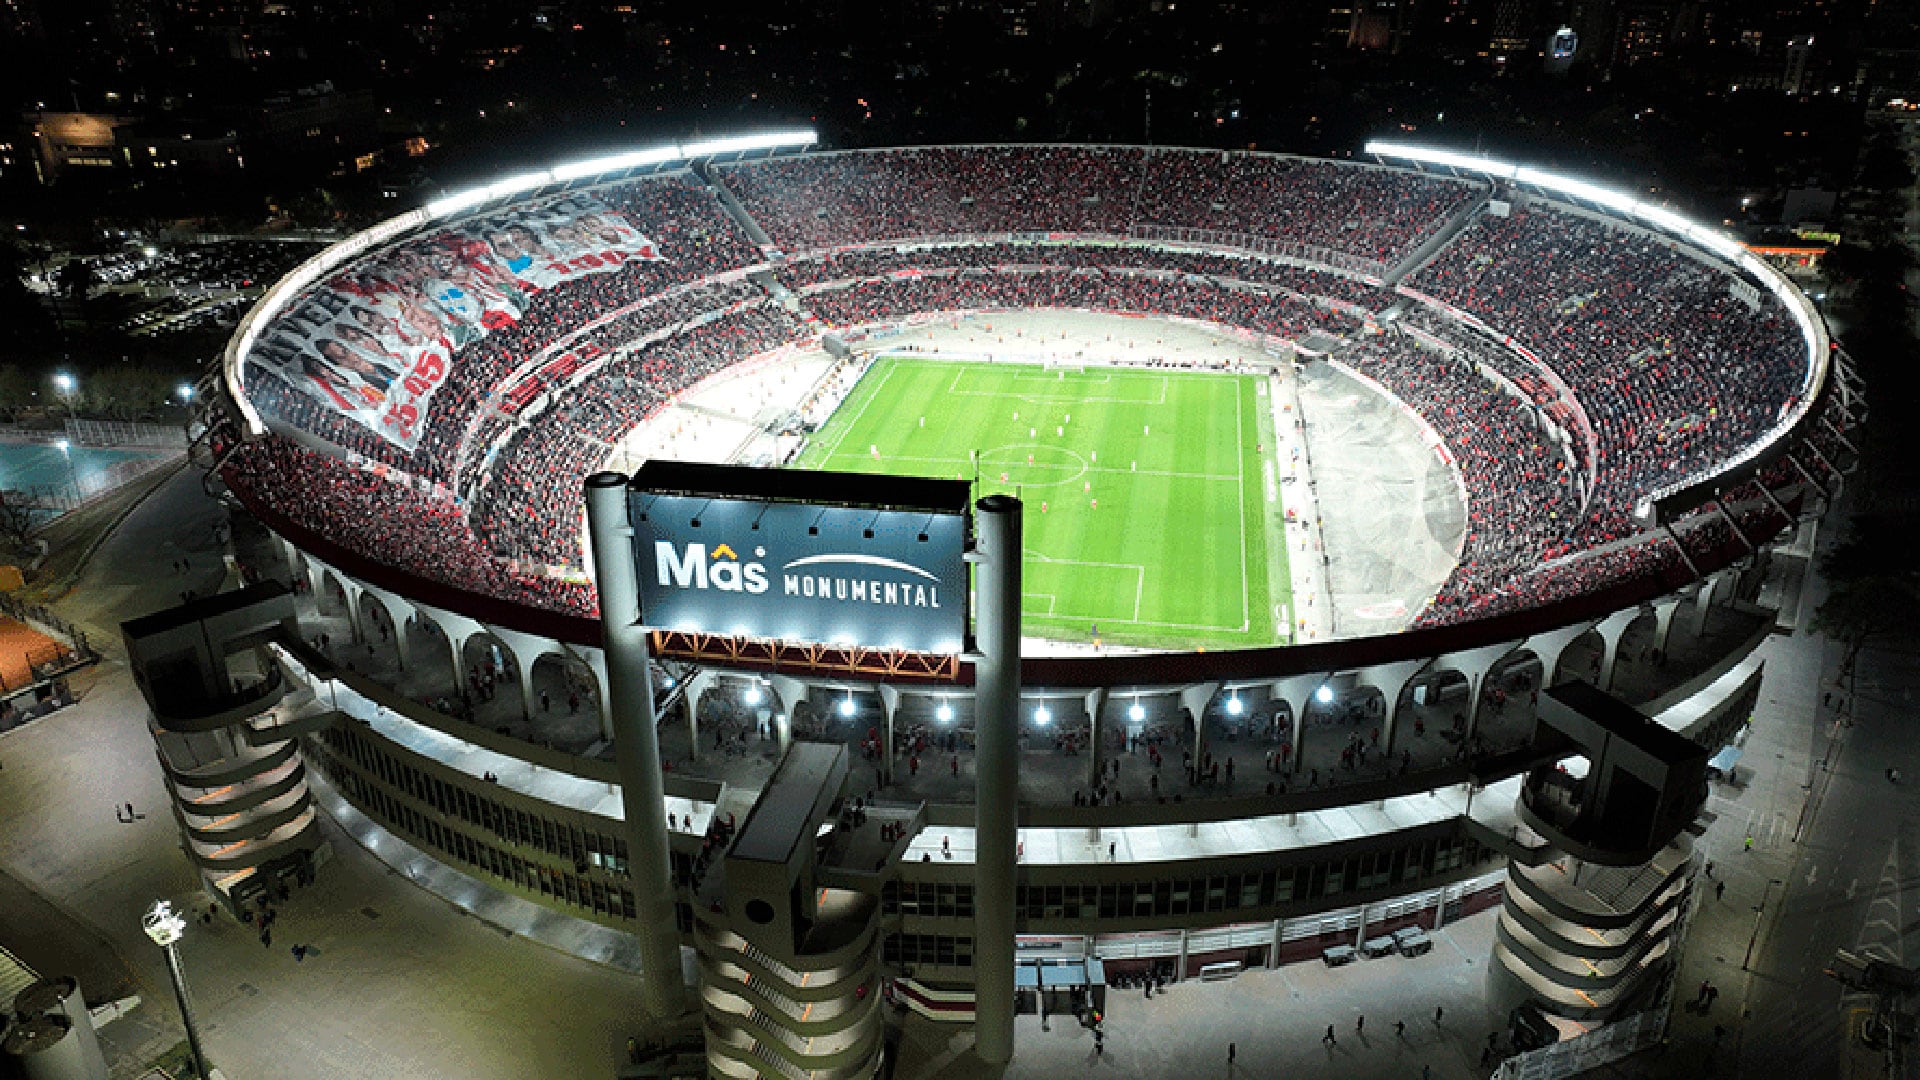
377, 339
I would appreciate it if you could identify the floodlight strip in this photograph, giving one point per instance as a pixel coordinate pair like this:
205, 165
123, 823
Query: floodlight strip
301, 277
1722, 246
659, 155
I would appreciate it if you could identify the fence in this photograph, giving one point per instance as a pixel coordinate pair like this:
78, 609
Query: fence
52, 500
67, 650
125, 433
33, 666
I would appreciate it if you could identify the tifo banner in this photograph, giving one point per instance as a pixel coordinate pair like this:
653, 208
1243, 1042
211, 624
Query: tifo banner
375, 341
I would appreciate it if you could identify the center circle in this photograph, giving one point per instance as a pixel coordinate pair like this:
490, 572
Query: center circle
1051, 466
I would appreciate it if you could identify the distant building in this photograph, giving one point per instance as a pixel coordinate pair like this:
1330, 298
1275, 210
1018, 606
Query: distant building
61, 141
315, 125
161, 146
1380, 24
1513, 25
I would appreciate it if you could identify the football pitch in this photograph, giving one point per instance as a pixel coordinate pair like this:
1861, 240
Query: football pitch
1151, 514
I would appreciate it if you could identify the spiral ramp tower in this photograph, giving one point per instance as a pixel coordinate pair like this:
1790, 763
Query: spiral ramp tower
1592, 935
788, 966
226, 723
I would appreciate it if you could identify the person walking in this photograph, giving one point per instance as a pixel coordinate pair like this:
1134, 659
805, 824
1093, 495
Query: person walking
1360, 1025
1438, 1012
1233, 1051
1719, 890
1328, 1038
1399, 1029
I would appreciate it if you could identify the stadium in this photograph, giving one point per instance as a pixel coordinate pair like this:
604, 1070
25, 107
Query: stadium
1330, 469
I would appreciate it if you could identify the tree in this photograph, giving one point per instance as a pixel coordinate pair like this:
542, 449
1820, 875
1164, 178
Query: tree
1884, 167
1873, 585
17, 522
25, 325
77, 280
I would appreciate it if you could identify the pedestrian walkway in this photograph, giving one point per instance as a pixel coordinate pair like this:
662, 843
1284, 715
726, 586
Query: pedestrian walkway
401, 984
1274, 1019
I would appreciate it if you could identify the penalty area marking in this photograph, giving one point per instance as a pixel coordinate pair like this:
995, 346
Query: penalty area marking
1045, 399
1139, 585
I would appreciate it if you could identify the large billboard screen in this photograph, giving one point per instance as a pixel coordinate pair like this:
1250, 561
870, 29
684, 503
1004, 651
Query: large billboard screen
794, 566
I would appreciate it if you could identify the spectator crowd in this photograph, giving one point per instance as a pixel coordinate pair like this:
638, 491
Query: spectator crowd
823, 201
1665, 363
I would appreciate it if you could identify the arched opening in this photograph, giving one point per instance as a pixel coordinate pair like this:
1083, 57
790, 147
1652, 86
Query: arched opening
1432, 723
490, 681
566, 702
1580, 659
378, 651
1633, 660
434, 676
331, 601
1342, 740
1509, 693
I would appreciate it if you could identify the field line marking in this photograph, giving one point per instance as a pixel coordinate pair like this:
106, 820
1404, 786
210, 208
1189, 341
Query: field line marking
1175, 474
1139, 582
1240, 496
892, 366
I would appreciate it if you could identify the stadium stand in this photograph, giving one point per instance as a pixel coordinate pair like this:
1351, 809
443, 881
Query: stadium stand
1674, 370
1672, 364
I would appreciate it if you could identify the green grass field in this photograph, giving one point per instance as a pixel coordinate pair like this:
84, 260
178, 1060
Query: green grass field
1147, 512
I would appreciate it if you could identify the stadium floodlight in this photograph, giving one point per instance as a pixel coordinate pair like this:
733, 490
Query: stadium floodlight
1432, 155
632, 159
1664, 218
185, 390
846, 705
741, 144
516, 185
453, 204
1579, 189
64, 383
1136, 712
1234, 706
753, 695
1042, 715
944, 713
1323, 695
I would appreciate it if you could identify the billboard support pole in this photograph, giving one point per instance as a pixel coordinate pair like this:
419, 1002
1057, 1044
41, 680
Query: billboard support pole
636, 746
997, 772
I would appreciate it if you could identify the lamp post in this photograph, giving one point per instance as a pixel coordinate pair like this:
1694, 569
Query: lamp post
73, 477
1759, 913
66, 385
165, 927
